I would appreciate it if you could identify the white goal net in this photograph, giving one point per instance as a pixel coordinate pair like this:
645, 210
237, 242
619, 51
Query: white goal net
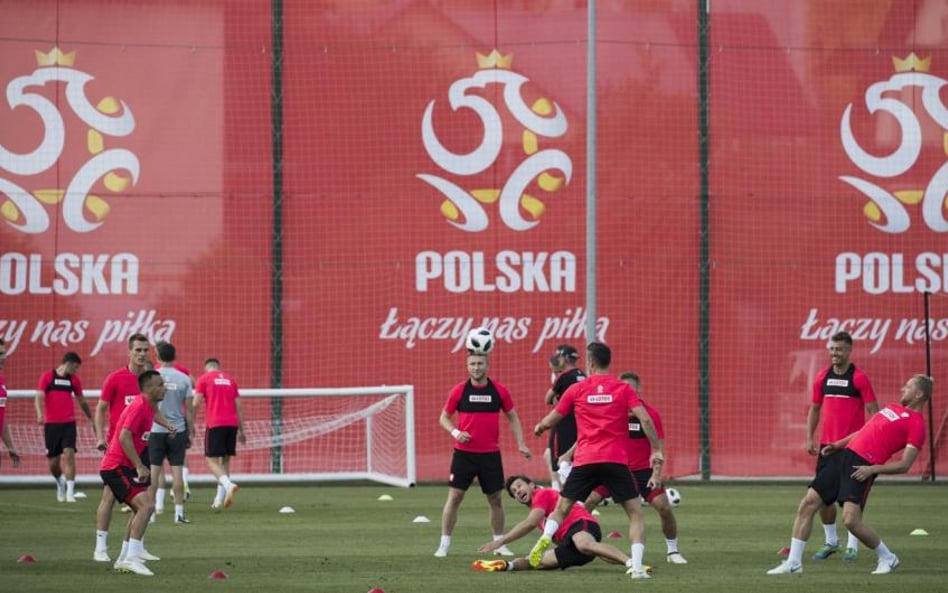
305, 434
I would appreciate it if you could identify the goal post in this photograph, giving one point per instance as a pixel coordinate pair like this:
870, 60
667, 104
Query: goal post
314, 434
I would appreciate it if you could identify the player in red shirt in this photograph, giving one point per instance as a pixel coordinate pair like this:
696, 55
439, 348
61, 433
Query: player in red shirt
843, 396
55, 411
125, 474
578, 538
224, 426
640, 451
864, 456
478, 403
4, 429
119, 390
603, 406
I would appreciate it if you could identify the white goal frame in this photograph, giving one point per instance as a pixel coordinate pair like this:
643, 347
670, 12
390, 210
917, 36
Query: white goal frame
198, 470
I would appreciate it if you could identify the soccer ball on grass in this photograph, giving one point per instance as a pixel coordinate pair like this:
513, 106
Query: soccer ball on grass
479, 340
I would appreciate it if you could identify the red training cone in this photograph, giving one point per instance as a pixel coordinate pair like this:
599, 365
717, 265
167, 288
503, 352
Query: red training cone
376, 590
784, 551
615, 535
26, 559
218, 575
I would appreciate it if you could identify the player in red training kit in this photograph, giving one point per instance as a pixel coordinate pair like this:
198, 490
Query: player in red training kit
843, 396
56, 412
478, 403
578, 538
224, 426
119, 390
640, 451
603, 406
4, 429
864, 455
126, 476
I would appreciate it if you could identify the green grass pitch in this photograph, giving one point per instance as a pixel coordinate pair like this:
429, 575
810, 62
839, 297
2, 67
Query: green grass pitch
342, 538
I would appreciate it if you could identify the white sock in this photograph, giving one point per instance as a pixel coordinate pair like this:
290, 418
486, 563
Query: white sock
70, 488
220, 494
124, 551
184, 474
160, 499
829, 532
852, 541
638, 551
60, 483
445, 542
550, 528
882, 551
671, 545
796, 551
179, 510
101, 540
225, 482
497, 537
135, 547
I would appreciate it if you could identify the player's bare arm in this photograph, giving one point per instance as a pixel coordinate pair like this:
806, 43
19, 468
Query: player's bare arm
39, 402
101, 408
241, 435
864, 472
548, 422
516, 532
461, 436
812, 420
517, 431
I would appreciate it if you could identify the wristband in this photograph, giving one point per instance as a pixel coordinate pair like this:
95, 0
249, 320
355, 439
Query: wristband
455, 433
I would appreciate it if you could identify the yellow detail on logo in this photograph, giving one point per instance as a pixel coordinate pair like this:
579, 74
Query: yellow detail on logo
909, 196
912, 62
494, 60
55, 58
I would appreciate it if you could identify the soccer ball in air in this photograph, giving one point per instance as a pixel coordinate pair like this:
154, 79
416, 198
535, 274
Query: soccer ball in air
479, 340
674, 497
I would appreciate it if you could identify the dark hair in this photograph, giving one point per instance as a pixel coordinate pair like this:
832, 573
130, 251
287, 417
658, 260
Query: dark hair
842, 337
567, 351
145, 377
213, 361
166, 351
630, 376
138, 337
71, 357
599, 354
511, 479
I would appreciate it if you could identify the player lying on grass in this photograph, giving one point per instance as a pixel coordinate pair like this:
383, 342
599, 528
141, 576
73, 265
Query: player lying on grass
578, 538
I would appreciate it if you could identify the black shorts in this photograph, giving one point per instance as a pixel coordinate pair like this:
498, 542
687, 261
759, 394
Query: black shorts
566, 553
826, 480
616, 477
562, 437
123, 482
851, 489
641, 478
220, 441
488, 468
59, 436
161, 446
